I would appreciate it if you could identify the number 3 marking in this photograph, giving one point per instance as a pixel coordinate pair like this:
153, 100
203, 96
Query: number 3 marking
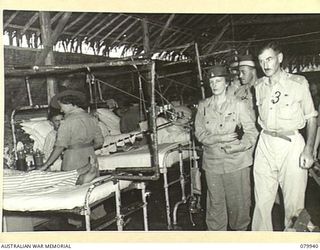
277, 97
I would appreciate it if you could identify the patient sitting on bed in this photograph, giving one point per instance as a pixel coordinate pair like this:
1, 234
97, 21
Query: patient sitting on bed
20, 181
55, 118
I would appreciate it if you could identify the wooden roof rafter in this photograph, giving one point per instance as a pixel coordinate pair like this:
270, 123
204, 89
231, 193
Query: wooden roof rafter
171, 28
179, 36
216, 39
29, 23
124, 32
86, 25
78, 19
101, 25
139, 29
10, 19
164, 29
115, 28
56, 17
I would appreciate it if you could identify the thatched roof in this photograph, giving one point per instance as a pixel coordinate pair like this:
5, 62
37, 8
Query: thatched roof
220, 34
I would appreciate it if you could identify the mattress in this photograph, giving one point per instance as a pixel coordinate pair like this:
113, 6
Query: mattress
59, 198
141, 157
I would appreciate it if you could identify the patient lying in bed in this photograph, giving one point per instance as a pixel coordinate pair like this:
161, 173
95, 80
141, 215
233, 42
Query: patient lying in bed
19, 181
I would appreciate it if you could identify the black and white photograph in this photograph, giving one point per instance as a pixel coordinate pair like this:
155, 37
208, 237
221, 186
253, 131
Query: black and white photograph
162, 121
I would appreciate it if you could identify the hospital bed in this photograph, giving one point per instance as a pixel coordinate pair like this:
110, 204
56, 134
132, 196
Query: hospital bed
77, 200
169, 154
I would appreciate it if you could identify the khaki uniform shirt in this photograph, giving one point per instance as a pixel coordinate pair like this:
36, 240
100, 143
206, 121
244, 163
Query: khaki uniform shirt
78, 128
210, 120
285, 105
246, 93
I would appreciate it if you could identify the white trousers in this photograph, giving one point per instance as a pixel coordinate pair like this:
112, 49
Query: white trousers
277, 163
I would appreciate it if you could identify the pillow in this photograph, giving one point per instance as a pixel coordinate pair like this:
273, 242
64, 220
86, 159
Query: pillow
110, 120
37, 131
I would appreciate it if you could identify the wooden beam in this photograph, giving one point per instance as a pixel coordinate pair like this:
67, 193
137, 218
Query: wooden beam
31, 21
86, 25
173, 28
47, 53
123, 32
104, 26
50, 69
104, 19
75, 21
217, 38
56, 17
146, 38
174, 40
150, 36
132, 33
163, 31
10, 19
115, 28
55, 35
169, 37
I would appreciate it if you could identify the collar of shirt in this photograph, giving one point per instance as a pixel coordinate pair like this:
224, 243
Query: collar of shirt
282, 76
74, 112
219, 109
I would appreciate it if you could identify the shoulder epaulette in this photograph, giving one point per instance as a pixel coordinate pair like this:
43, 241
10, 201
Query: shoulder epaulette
297, 78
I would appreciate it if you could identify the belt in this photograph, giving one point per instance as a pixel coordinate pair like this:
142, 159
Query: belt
80, 145
283, 134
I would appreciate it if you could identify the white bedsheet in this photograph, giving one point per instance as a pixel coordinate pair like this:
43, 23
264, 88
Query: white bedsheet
58, 198
141, 157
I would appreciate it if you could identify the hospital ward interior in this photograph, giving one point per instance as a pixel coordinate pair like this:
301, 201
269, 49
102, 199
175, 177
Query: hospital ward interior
112, 122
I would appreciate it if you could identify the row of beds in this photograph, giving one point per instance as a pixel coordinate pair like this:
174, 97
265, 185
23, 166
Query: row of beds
80, 200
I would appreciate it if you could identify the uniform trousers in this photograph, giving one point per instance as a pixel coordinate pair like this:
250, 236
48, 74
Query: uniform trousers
228, 200
277, 163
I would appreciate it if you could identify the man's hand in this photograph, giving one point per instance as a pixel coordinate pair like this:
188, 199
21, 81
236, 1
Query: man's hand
234, 148
228, 137
306, 159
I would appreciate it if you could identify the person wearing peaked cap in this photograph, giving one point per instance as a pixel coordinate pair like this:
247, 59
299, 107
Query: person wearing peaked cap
79, 98
227, 157
234, 76
218, 70
248, 77
282, 156
78, 134
247, 60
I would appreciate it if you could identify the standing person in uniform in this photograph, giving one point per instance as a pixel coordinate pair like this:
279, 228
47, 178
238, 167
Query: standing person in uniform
316, 148
248, 77
282, 157
78, 135
226, 158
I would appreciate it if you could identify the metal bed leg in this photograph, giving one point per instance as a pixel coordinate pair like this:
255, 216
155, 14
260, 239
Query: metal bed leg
87, 220
118, 207
4, 223
183, 192
145, 212
87, 211
166, 192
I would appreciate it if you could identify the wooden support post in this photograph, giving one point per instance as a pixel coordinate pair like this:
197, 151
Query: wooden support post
146, 41
45, 27
199, 71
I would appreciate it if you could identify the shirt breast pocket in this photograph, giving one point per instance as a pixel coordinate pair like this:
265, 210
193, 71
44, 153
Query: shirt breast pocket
288, 108
211, 123
262, 108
